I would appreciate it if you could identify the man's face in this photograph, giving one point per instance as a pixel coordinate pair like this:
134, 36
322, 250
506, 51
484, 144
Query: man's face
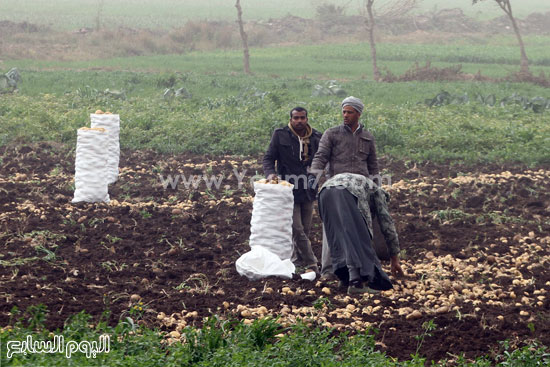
299, 121
351, 116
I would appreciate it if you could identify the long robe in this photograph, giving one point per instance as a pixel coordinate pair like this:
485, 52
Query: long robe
349, 238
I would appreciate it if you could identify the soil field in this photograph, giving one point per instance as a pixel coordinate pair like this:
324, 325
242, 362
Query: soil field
475, 247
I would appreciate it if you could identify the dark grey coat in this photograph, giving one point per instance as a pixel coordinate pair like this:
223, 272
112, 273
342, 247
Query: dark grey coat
284, 152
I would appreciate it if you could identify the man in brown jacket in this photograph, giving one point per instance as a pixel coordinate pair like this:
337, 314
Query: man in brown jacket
347, 148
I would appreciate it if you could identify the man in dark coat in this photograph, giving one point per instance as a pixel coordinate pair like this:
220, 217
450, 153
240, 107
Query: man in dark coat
292, 149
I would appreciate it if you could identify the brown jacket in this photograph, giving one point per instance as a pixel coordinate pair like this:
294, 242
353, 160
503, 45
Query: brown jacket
346, 152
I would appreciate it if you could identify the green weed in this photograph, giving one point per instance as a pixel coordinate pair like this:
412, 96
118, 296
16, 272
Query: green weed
427, 326
221, 342
449, 215
145, 214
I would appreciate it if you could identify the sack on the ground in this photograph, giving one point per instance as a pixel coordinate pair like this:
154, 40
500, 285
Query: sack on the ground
90, 166
259, 263
111, 123
270, 232
271, 223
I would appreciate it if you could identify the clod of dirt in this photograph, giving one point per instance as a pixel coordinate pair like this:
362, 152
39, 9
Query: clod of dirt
173, 251
20, 177
111, 220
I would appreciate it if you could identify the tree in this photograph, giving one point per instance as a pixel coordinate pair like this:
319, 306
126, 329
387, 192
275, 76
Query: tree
391, 10
507, 8
244, 37
369, 23
98, 15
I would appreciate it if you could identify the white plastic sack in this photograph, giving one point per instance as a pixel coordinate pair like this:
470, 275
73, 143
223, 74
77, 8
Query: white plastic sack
90, 166
259, 263
310, 275
111, 123
271, 223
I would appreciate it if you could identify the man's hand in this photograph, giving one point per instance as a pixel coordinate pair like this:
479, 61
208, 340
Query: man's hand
271, 176
396, 269
314, 171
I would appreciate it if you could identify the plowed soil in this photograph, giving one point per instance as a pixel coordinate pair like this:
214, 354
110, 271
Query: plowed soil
474, 239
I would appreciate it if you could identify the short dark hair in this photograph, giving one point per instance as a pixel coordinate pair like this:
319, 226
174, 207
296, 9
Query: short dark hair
298, 109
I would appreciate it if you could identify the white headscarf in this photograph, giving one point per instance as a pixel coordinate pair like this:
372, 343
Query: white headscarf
356, 103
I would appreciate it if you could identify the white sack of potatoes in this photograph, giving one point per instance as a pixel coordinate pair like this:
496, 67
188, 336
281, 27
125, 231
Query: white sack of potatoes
90, 166
111, 123
271, 223
259, 263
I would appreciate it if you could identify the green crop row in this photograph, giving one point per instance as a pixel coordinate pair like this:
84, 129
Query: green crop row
242, 118
218, 343
478, 52
335, 61
291, 89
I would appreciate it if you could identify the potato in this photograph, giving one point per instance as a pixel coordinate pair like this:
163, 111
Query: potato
414, 315
135, 298
350, 308
175, 334
246, 313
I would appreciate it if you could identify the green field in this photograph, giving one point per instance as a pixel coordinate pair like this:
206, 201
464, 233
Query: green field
55, 99
342, 61
228, 112
73, 14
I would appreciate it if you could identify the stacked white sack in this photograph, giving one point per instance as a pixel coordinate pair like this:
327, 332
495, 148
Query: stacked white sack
90, 166
271, 223
270, 233
111, 123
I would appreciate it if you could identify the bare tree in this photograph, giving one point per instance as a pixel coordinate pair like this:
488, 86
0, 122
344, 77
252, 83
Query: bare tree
244, 37
396, 8
392, 9
369, 23
98, 15
507, 8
